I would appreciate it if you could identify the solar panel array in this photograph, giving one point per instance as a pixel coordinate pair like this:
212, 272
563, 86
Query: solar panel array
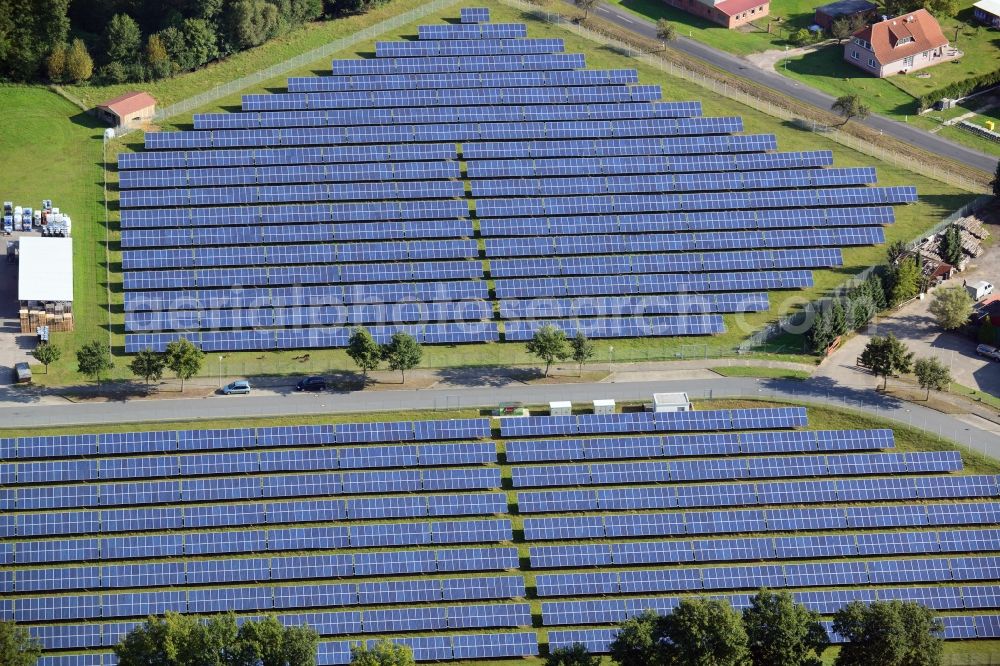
402, 529
594, 205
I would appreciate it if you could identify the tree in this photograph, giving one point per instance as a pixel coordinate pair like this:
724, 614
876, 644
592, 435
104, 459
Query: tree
46, 353
838, 318
122, 39
895, 251
582, 349
996, 181
586, 6
841, 29
157, 58
951, 307
888, 633
665, 31
950, 247
932, 374
987, 332
850, 106
781, 632
252, 22
800, 37
905, 279
383, 653
149, 365
179, 639
268, 642
941, 8
820, 335
704, 632
79, 65
55, 65
875, 289
402, 353
184, 359
637, 642
885, 356
93, 360
28, 33
200, 41
574, 655
363, 350
17, 647
548, 344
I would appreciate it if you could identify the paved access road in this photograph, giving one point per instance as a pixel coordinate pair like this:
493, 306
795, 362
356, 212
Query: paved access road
289, 403
739, 67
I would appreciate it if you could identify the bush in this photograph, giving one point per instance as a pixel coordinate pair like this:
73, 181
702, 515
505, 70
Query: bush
959, 89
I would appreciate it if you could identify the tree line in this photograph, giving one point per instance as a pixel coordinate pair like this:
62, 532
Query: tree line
118, 41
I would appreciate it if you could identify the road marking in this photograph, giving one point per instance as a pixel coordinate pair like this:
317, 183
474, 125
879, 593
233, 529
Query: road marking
627, 20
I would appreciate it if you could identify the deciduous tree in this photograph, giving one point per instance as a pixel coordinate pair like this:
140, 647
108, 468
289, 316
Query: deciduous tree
157, 58
55, 64
383, 653
363, 350
704, 632
885, 356
586, 6
93, 360
252, 22
781, 632
932, 374
951, 307
574, 655
850, 106
17, 647
888, 633
184, 359
637, 642
402, 353
79, 65
268, 642
549, 345
149, 365
122, 39
46, 353
665, 31
582, 349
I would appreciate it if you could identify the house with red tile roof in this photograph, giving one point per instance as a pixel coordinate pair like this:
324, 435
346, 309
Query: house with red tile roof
129, 110
729, 13
904, 44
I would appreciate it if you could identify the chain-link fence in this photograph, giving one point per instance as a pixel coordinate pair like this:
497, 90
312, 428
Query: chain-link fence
250, 80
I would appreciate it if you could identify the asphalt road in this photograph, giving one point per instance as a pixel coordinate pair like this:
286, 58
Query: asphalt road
739, 67
288, 403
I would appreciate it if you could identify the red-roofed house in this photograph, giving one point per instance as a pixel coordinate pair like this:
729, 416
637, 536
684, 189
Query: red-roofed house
730, 13
130, 110
902, 44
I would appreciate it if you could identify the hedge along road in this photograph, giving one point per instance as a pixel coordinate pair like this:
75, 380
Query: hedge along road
284, 401
737, 66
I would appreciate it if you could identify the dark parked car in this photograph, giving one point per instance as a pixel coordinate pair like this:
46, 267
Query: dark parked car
311, 384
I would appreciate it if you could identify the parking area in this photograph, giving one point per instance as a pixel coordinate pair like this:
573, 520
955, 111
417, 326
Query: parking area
15, 347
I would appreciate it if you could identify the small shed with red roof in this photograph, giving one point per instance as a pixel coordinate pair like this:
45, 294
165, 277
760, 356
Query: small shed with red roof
128, 111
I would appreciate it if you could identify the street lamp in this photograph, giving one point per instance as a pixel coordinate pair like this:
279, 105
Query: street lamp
220, 370
611, 356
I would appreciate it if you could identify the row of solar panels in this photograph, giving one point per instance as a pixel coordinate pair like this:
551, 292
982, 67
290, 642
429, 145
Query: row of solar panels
257, 541
156, 441
674, 471
629, 306
281, 460
328, 315
650, 284
276, 255
472, 31
295, 214
745, 494
650, 203
766, 548
686, 182
108, 634
474, 15
711, 419
300, 173
620, 165
142, 604
619, 327
246, 514
301, 275
263, 194
773, 576
247, 487
767, 520
456, 132
313, 337
688, 145
338, 653
427, 115
700, 221
464, 63
267, 235
522, 79
793, 441
301, 296
427, 47
546, 246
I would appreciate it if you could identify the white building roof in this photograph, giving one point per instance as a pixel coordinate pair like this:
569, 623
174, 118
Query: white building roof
670, 398
45, 269
989, 6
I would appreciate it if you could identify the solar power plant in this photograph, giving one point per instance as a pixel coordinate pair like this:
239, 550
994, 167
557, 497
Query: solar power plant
420, 532
471, 185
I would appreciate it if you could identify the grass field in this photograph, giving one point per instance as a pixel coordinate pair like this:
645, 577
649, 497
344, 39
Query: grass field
753, 371
936, 201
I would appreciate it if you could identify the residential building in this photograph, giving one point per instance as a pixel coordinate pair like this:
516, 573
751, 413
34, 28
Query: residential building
898, 45
728, 13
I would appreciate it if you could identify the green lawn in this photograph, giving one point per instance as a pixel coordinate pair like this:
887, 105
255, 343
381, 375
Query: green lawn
757, 371
937, 200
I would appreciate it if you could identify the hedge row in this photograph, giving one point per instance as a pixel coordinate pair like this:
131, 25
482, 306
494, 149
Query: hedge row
959, 89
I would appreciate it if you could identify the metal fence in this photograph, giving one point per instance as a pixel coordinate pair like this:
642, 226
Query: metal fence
303, 60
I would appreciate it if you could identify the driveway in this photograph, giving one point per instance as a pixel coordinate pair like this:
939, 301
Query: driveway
14, 347
914, 325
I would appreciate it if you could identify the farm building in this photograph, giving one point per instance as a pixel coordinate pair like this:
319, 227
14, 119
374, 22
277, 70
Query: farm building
129, 111
45, 283
899, 45
728, 13
827, 14
988, 12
